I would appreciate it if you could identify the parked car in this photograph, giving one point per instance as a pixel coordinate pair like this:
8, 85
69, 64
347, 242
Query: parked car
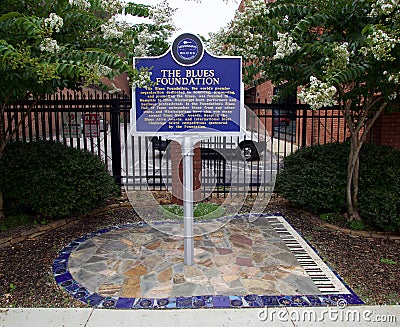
282, 121
103, 123
249, 146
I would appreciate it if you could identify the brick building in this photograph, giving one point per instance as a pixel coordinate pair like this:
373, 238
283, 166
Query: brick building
386, 130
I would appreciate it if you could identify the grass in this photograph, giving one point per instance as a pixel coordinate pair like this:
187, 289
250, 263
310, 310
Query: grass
14, 221
331, 218
388, 261
201, 211
356, 225
338, 219
392, 298
12, 287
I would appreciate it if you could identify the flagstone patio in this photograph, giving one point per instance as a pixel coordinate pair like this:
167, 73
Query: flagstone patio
247, 262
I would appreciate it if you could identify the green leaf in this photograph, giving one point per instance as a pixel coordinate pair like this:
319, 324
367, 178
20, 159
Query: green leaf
138, 10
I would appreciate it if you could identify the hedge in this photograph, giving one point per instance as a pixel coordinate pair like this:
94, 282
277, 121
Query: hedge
314, 178
53, 180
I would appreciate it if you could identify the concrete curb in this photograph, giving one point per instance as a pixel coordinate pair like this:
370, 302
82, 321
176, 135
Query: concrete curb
376, 316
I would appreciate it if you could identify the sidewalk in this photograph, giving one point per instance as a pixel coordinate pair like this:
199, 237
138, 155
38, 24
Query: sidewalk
385, 316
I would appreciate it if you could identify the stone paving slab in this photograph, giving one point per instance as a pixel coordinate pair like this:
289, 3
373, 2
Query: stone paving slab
238, 259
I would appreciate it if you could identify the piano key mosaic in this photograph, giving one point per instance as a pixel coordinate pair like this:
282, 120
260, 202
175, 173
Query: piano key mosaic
252, 261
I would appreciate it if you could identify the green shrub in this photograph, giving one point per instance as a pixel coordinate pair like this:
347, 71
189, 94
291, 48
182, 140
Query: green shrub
314, 178
53, 180
356, 225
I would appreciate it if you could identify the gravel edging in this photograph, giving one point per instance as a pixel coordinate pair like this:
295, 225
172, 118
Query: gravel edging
356, 233
37, 231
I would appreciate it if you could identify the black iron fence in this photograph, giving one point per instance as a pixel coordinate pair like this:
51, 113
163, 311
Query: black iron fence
100, 122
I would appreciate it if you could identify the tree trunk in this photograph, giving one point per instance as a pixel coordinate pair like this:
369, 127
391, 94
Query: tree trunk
356, 142
2, 215
2, 147
353, 170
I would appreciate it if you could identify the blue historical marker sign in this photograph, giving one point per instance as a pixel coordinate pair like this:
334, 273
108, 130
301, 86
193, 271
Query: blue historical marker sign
194, 92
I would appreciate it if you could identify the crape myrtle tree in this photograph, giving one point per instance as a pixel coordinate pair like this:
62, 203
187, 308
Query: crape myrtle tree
337, 52
48, 45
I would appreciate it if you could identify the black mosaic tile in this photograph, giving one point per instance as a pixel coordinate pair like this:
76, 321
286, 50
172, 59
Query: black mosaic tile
67, 283
72, 288
236, 302
199, 302
162, 302
109, 303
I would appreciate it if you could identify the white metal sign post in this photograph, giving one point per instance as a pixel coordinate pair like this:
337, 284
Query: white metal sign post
195, 95
188, 219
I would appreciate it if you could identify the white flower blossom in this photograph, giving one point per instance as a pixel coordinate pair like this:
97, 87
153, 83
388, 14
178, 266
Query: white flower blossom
81, 4
285, 46
392, 96
380, 45
113, 6
342, 53
340, 58
53, 22
384, 7
318, 94
143, 79
216, 44
49, 45
247, 40
255, 8
111, 29
393, 78
102, 69
96, 71
144, 38
162, 13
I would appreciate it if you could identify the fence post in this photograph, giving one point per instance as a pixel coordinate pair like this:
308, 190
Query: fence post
304, 128
116, 141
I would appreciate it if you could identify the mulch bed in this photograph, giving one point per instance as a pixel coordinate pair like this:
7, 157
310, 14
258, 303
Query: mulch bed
26, 279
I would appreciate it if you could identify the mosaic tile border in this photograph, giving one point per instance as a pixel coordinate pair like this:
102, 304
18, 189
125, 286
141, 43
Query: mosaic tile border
65, 280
